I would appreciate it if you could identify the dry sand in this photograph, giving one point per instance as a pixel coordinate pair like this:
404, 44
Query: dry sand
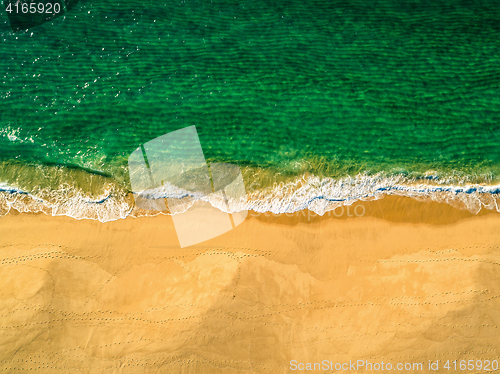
408, 282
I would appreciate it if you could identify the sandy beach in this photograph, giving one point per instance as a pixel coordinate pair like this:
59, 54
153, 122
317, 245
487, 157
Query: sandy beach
404, 282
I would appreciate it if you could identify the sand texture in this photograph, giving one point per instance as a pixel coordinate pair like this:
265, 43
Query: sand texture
407, 282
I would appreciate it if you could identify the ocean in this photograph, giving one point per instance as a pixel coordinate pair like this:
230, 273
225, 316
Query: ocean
320, 103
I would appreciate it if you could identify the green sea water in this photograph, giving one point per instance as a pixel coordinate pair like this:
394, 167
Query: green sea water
332, 89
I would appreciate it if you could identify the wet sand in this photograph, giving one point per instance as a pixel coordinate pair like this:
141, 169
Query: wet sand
404, 282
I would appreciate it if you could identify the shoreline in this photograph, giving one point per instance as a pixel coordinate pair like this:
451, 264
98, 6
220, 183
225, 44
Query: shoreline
407, 282
124, 207
99, 198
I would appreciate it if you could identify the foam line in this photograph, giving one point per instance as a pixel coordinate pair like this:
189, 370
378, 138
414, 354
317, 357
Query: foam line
319, 195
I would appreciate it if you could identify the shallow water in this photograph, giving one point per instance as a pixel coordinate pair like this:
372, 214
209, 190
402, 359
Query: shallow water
398, 96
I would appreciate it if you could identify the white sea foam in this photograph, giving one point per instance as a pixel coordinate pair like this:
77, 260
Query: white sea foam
66, 201
319, 195
14, 135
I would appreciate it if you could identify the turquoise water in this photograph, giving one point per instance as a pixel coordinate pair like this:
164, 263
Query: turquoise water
398, 94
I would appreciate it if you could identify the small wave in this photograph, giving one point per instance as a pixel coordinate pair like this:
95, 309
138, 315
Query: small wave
14, 135
66, 201
319, 195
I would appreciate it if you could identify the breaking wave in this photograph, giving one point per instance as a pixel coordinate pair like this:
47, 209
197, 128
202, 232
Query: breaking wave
318, 194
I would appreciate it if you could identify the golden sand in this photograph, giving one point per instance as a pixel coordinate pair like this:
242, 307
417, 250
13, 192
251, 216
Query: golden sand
408, 282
